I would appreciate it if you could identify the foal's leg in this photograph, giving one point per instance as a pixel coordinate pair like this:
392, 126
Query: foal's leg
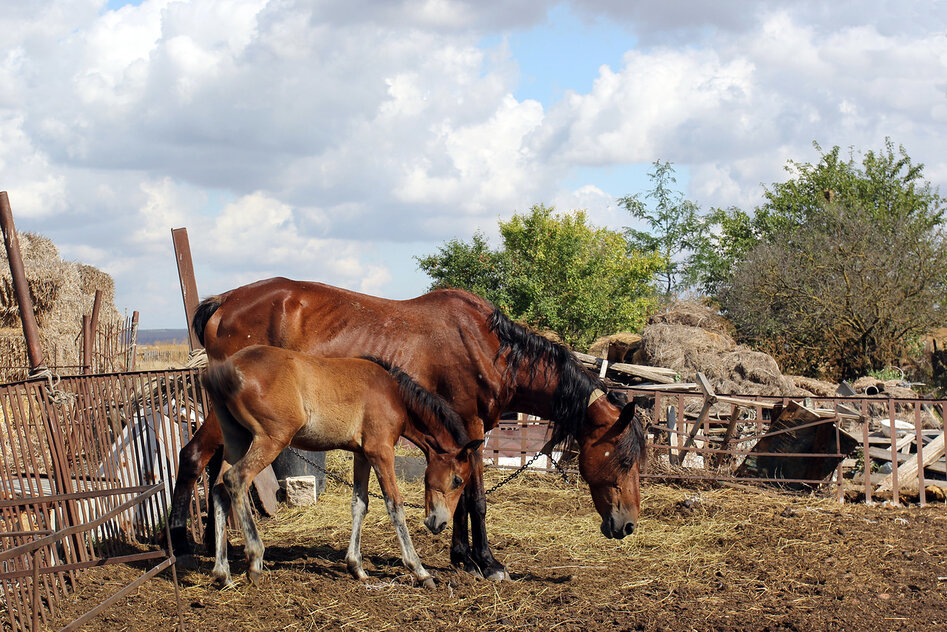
384, 464
191, 462
237, 479
221, 502
360, 473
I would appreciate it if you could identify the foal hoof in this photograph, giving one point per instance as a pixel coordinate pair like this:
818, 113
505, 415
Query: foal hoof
428, 582
224, 581
255, 577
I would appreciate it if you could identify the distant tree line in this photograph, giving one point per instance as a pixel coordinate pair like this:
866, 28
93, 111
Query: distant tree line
838, 272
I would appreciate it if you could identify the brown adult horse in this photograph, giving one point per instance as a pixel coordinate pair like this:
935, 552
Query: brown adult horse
267, 398
454, 344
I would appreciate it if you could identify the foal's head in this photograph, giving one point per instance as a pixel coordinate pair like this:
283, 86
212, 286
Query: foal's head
447, 473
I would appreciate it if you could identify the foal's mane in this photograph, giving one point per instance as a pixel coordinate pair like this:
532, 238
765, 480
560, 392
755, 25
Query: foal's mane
430, 408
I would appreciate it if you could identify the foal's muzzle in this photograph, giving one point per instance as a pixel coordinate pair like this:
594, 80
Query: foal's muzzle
436, 521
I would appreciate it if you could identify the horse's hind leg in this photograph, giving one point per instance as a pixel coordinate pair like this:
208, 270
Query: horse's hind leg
192, 461
385, 471
353, 557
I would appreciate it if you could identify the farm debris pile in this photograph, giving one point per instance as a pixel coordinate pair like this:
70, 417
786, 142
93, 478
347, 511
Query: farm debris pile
705, 559
62, 292
688, 338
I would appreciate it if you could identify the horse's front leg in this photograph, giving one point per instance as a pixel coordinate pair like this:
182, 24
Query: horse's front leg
476, 497
353, 557
460, 538
384, 464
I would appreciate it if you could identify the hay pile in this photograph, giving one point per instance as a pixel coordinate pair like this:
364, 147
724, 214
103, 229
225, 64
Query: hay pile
62, 291
689, 337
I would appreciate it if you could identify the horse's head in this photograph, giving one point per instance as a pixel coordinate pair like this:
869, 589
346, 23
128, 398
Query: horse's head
610, 455
444, 479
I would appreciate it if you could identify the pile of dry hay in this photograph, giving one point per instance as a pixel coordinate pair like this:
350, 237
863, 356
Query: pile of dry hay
62, 292
689, 337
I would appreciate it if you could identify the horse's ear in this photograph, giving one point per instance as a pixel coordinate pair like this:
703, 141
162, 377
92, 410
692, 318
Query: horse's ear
470, 448
429, 445
617, 398
626, 415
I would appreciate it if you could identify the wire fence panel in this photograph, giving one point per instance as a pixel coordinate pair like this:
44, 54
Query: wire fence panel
80, 453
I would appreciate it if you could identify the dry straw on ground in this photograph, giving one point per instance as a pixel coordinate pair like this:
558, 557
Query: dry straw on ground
701, 559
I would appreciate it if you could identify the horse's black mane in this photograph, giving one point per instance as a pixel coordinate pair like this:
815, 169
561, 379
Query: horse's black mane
575, 386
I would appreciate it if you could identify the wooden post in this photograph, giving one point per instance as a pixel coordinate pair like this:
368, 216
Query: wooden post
182, 254
21, 287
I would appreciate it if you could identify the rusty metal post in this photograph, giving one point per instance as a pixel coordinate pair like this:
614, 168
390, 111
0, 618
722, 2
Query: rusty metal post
94, 328
86, 345
133, 343
20, 286
182, 254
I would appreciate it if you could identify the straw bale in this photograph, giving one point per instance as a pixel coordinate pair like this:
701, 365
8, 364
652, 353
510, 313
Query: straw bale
618, 347
689, 338
679, 346
812, 386
62, 292
692, 314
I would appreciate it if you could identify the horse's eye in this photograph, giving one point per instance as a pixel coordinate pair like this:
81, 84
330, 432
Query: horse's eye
458, 481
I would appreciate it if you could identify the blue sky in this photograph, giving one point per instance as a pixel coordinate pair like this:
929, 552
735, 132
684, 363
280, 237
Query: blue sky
336, 141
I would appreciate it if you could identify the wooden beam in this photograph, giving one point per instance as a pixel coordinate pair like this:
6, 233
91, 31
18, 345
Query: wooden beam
907, 473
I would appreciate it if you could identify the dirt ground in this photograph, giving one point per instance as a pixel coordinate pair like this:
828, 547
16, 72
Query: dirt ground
702, 559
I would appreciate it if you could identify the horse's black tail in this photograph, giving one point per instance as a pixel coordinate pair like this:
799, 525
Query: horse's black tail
205, 309
428, 407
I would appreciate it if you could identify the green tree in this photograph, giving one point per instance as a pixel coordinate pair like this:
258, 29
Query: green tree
553, 272
887, 187
840, 269
672, 223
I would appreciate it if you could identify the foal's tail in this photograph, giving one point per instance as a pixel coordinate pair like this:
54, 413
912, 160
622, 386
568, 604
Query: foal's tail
205, 309
221, 381
430, 408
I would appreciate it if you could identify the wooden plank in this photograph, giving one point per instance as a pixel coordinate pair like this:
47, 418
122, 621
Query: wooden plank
657, 374
685, 387
907, 473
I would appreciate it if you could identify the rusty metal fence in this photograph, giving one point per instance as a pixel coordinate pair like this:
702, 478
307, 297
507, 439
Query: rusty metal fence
87, 469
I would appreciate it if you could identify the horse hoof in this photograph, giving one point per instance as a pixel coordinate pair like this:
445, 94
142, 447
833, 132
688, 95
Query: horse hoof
254, 577
499, 575
186, 562
428, 582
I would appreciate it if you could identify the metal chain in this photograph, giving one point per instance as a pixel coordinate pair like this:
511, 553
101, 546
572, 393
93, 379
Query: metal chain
522, 468
339, 479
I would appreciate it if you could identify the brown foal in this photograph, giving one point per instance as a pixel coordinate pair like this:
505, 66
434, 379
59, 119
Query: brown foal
267, 398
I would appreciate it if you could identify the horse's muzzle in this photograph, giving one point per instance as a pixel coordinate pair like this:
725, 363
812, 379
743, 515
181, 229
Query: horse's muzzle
617, 529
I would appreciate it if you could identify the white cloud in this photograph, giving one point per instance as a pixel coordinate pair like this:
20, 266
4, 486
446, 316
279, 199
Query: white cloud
305, 138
